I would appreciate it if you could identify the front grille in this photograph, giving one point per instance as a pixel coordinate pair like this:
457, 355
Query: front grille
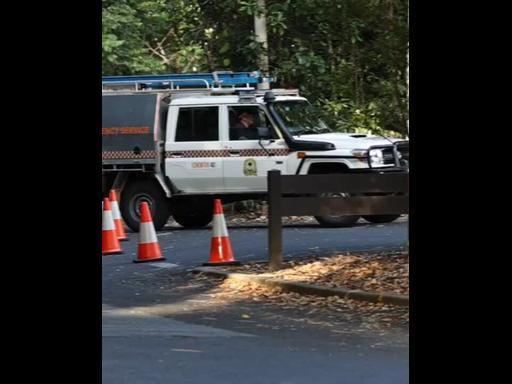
403, 149
388, 155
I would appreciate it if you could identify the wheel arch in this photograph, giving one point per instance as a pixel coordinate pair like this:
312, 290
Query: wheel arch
326, 168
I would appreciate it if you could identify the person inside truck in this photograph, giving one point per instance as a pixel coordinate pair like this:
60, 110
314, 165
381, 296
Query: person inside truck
244, 129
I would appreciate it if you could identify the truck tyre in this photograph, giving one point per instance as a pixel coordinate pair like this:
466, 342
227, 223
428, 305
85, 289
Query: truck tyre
192, 219
336, 220
144, 190
193, 213
380, 219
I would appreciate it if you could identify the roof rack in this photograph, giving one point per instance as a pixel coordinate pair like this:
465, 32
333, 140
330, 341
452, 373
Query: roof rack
218, 82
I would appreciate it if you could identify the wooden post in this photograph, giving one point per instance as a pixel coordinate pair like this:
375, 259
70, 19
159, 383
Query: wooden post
275, 228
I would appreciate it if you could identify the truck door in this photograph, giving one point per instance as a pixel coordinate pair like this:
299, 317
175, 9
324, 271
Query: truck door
193, 152
247, 163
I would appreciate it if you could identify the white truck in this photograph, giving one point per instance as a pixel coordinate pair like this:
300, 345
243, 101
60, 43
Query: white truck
179, 141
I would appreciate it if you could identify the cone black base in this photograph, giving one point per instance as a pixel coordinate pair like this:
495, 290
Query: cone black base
222, 263
149, 260
112, 253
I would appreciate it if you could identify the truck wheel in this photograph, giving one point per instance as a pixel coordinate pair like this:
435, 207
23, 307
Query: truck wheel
193, 213
137, 192
193, 220
379, 219
336, 220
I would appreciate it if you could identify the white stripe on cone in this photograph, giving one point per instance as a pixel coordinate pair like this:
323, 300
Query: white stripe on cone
147, 233
219, 226
108, 221
116, 214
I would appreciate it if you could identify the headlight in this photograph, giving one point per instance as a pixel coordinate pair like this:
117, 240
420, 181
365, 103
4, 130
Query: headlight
359, 152
376, 157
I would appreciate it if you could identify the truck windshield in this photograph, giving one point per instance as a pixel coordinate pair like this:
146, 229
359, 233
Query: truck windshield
300, 117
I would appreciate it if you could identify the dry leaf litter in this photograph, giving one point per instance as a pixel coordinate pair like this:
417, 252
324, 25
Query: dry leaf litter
384, 272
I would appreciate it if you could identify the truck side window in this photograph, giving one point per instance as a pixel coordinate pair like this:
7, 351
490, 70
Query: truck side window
244, 120
198, 124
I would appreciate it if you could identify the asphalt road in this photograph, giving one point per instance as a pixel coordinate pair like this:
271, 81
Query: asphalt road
158, 330
189, 248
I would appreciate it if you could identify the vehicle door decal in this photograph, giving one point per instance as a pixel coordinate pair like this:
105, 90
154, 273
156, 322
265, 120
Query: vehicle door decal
250, 168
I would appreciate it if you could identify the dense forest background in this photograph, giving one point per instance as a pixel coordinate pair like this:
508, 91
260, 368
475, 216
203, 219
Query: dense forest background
349, 57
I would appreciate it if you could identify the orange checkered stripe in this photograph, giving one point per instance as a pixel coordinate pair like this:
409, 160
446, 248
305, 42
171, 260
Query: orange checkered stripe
205, 153
225, 153
127, 155
261, 152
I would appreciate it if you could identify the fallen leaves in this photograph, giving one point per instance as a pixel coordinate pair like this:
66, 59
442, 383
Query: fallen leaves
378, 272
384, 273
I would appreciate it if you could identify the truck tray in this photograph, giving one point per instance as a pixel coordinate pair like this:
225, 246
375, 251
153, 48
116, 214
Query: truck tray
129, 128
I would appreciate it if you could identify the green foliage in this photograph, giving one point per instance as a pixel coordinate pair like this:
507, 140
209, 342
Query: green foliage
344, 116
348, 57
152, 36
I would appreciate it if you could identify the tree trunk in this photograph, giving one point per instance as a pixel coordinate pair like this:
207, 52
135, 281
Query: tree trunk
407, 73
260, 31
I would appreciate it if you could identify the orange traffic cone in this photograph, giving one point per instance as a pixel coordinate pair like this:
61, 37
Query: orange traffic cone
109, 241
149, 249
116, 214
221, 252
